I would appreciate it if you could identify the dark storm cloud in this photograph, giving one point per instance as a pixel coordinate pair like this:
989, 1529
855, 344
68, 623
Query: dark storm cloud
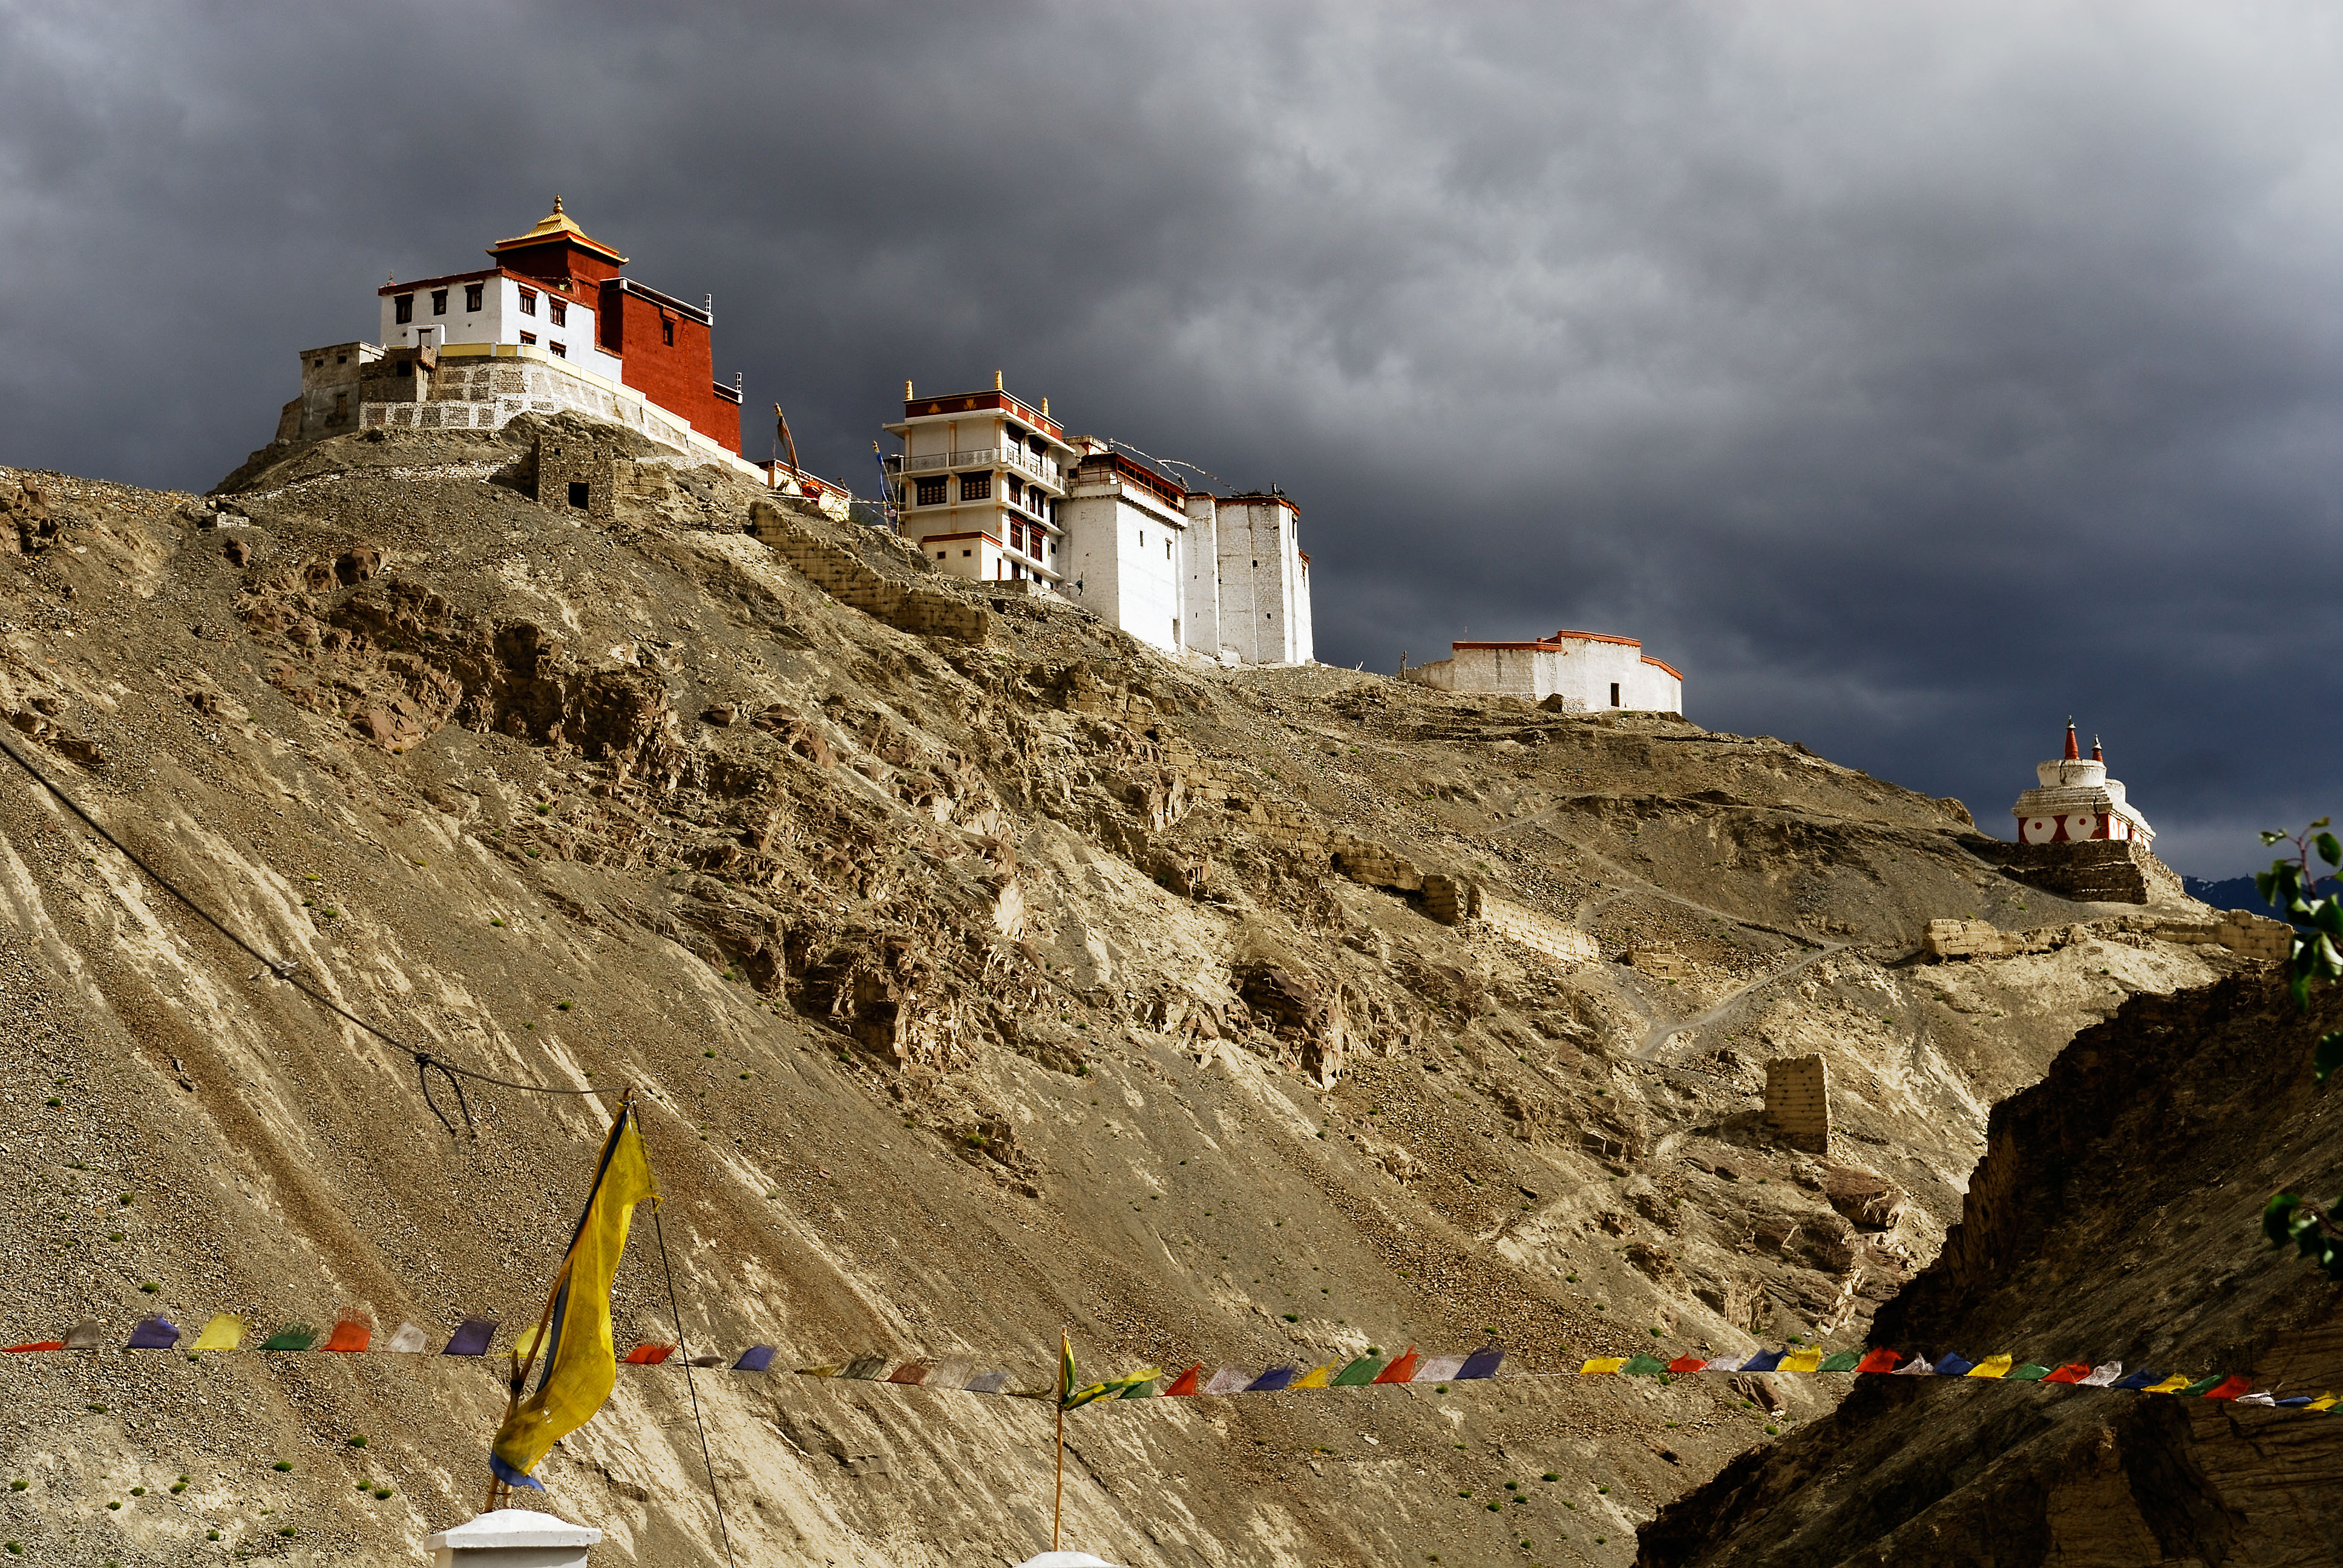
1909, 377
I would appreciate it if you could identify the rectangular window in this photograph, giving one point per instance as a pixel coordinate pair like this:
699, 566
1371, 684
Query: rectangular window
438, 302
558, 309
528, 302
472, 293
975, 486
402, 307
528, 338
579, 494
406, 368
667, 330
560, 350
1614, 694
931, 492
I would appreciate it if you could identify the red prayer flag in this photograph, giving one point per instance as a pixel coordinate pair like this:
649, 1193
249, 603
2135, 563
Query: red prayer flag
1185, 1383
650, 1355
1686, 1364
1402, 1369
2230, 1388
352, 1332
1878, 1362
2076, 1372
35, 1345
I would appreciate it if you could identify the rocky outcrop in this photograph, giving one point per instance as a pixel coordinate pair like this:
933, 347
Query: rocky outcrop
2115, 1217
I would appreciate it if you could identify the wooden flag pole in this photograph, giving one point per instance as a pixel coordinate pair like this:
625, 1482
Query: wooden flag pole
1058, 1514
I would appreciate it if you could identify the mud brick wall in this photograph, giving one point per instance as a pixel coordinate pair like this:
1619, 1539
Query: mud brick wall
1540, 933
1797, 1102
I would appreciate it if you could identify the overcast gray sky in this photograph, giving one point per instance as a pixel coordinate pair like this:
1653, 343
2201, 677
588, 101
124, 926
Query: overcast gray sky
1910, 377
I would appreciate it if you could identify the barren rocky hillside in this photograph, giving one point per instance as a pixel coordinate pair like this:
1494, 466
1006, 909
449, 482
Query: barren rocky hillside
2114, 1218
982, 972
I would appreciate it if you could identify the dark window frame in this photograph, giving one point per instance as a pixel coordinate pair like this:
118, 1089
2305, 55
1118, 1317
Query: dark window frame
976, 486
402, 307
438, 302
474, 292
930, 491
557, 311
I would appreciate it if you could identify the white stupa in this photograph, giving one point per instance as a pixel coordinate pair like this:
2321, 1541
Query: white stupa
2076, 802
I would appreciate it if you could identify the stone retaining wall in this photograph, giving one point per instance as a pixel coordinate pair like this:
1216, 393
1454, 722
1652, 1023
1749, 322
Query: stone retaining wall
2102, 871
921, 611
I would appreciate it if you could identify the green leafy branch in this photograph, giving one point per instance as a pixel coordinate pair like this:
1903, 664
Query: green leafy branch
2291, 887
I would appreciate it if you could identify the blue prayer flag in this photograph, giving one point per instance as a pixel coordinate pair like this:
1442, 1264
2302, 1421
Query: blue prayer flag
154, 1333
1481, 1364
1270, 1381
756, 1358
472, 1338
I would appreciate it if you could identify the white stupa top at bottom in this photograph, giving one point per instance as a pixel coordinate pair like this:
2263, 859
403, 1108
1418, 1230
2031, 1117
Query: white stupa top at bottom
511, 1527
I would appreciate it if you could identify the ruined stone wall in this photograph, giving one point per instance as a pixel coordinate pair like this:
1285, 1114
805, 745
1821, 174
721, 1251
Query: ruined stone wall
2249, 935
921, 611
1797, 1102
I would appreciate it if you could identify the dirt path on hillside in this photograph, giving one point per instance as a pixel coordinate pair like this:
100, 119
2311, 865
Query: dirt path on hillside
1658, 1033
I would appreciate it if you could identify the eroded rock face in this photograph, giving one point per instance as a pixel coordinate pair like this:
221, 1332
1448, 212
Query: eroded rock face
2114, 1218
977, 978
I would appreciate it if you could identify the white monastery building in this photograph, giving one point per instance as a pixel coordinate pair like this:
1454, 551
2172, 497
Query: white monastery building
2075, 801
993, 489
552, 324
1588, 671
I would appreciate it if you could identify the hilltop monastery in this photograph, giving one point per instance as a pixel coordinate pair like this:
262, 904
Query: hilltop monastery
991, 488
1573, 672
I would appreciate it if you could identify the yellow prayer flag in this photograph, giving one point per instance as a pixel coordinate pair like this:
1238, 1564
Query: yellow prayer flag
2324, 1401
1801, 1361
224, 1332
1992, 1366
529, 1342
2172, 1384
1601, 1364
1314, 1379
581, 1363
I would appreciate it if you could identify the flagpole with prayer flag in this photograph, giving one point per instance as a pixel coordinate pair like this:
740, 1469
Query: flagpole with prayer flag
573, 1333
1065, 1392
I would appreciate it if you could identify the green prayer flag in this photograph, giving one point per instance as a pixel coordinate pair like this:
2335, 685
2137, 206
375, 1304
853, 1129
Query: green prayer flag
291, 1337
2202, 1383
1643, 1365
1359, 1373
1842, 1361
2030, 1372
1113, 1388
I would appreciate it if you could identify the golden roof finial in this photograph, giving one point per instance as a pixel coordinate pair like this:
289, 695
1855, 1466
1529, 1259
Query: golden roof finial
558, 224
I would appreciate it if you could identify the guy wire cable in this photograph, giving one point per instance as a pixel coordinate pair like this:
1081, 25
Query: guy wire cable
425, 1062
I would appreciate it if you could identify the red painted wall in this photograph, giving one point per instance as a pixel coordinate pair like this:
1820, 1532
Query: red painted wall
679, 377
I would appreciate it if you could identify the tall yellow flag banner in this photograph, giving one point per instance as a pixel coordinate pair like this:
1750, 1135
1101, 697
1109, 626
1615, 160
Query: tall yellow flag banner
581, 1363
